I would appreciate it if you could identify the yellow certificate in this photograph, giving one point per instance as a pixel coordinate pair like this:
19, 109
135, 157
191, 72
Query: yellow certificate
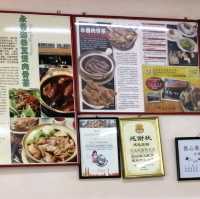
141, 147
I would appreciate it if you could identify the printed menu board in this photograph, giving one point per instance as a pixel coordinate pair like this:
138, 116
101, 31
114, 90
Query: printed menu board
36, 90
111, 54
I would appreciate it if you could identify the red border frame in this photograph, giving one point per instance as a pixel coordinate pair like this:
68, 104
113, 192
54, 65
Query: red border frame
74, 112
74, 65
74, 55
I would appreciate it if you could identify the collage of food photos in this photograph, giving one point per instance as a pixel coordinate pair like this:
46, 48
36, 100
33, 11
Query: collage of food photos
171, 89
104, 53
119, 60
120, 66
41, 127
182, 44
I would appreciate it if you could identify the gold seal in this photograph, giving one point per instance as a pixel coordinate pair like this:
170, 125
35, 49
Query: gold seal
139, 128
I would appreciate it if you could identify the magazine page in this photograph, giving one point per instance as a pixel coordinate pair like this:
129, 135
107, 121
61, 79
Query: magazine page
111, 54
36, 90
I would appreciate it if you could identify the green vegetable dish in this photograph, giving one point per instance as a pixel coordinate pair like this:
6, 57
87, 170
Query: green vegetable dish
24, 103
187, 44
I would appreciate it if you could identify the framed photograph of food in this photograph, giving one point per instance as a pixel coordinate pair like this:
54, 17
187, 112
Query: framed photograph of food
141, 147
99, 148
188, 158
42, 141
112, 54
36, 91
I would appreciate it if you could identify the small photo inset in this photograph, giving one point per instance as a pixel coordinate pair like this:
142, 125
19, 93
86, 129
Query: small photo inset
182, 44
19, 128
154, 97
173, 89
24, 103
54, 55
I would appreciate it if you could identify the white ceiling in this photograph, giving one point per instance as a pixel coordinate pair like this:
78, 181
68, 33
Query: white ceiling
146, 8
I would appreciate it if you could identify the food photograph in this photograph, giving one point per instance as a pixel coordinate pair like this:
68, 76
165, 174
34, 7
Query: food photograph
24, 102
56, 80
171, 89
43, 141
97, 64
176, 95
122, 38
97, 80
56, 88
182, 44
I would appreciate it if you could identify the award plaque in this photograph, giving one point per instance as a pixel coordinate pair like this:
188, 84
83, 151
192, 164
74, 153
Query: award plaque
141, 147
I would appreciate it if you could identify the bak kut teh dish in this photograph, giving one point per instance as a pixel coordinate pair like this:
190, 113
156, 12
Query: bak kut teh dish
50, 144
122, 38
23, 124
190, 99
97, 66
57, 90
97, 96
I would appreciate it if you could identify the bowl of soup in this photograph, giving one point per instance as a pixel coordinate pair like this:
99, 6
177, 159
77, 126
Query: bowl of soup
57, 92
97, 66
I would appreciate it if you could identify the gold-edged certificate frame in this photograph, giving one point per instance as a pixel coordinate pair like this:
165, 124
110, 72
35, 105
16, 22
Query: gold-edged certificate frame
141, 147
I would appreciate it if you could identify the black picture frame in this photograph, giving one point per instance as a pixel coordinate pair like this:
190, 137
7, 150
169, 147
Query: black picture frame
81, 176
178, 155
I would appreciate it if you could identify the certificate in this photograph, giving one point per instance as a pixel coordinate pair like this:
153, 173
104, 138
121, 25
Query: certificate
141, 147
99, 148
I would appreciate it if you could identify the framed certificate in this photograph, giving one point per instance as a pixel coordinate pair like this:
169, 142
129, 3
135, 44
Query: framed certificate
141, 147
188, 158
99, 151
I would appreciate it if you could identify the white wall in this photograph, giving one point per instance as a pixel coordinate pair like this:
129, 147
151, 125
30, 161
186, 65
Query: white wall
63, 182
149, 8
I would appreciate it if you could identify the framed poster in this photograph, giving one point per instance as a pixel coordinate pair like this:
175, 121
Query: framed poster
134, 65
36, 91
141, 147
188, 158
99, 148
